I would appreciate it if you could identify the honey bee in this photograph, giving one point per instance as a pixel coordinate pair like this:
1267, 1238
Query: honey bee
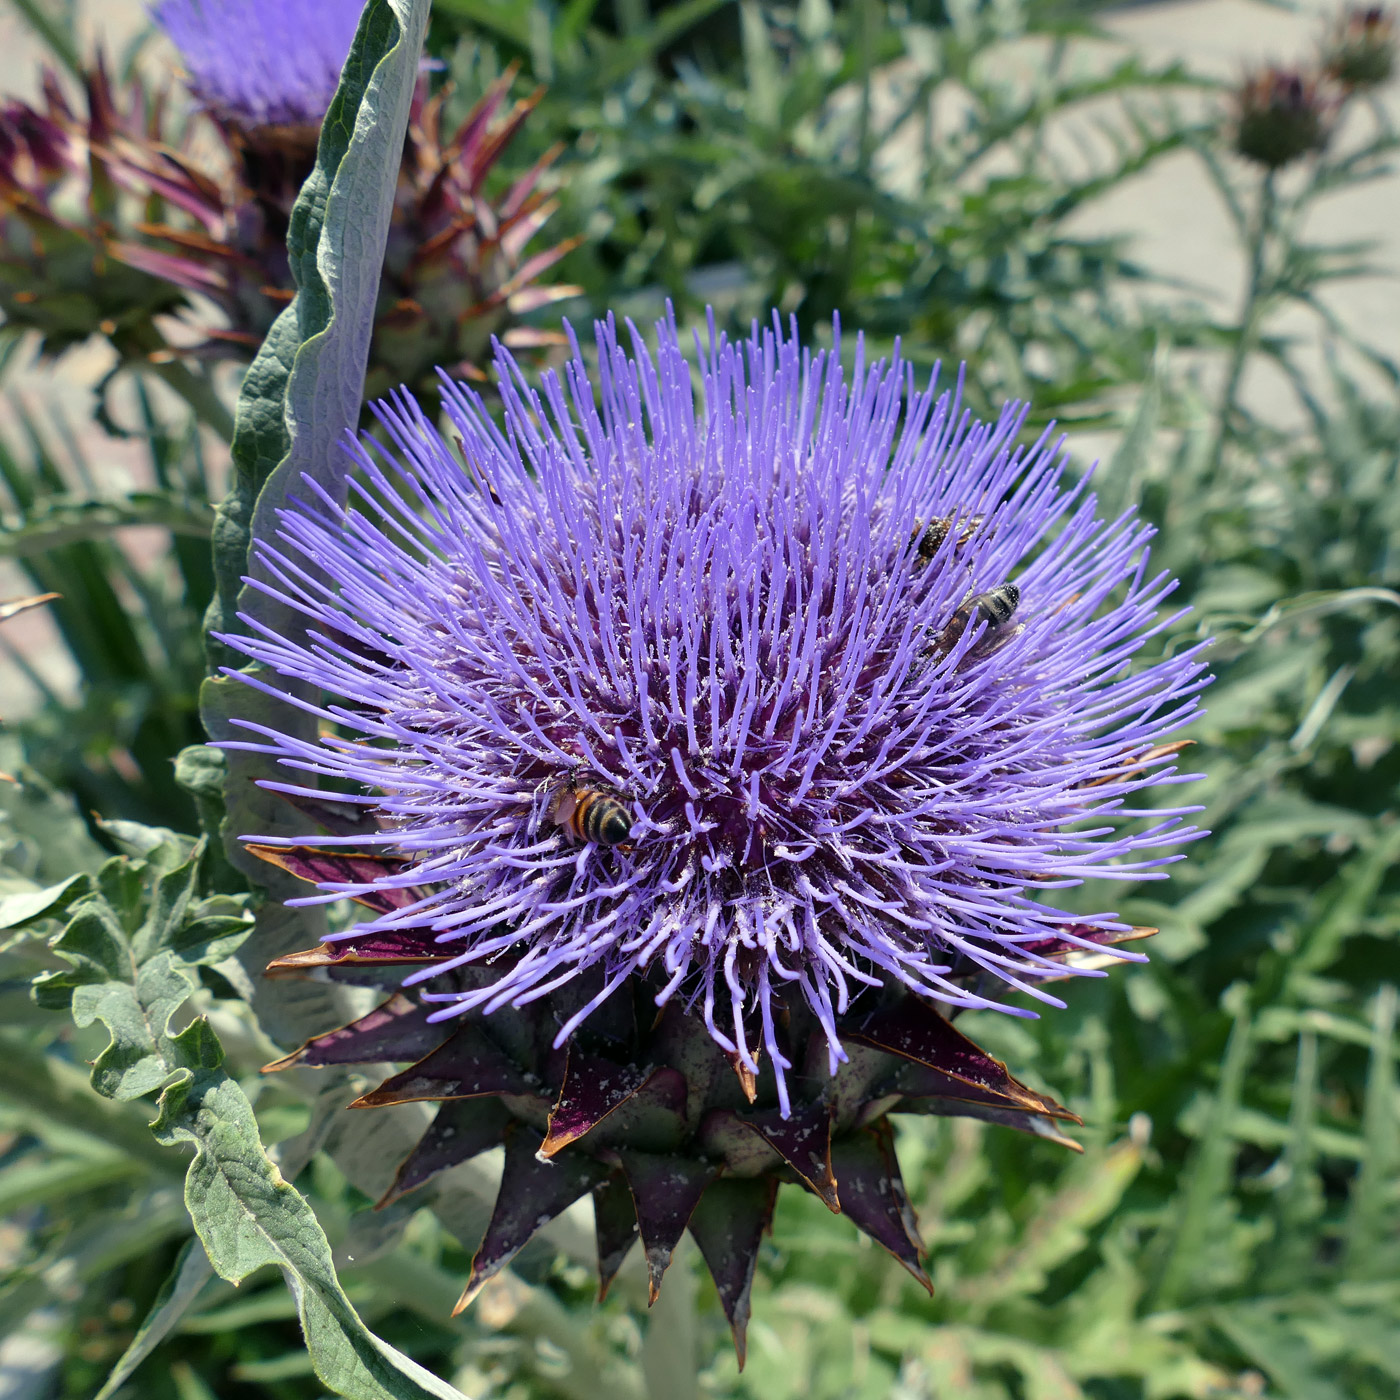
996, 608
591, 816
930, 537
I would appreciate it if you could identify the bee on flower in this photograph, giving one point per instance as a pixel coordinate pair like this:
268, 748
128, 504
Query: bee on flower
677, 590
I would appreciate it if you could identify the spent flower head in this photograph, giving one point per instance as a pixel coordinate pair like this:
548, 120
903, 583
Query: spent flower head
765, 678
259, 63
1281, 115
1359, 51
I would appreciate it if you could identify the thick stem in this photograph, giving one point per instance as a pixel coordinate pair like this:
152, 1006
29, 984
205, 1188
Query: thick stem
1255, 303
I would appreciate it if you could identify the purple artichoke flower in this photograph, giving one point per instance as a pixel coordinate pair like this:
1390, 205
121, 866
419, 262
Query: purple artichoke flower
256, 63
759, 678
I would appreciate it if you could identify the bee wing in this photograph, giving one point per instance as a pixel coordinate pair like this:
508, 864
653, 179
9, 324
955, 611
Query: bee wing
544, 805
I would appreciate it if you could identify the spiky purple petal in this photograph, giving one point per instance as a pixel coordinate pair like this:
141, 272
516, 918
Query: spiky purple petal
665, 1191
532, 1193
462, 1129
709, 605
873, 1195
728, 1225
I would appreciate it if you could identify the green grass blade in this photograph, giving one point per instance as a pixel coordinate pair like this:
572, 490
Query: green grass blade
1370, 1233
177, 1295
1207, 1179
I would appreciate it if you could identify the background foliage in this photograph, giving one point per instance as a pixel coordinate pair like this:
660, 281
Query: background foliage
1230, 1228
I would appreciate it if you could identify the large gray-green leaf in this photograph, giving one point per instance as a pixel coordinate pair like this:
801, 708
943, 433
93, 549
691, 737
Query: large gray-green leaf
288, 1009
247, 1216
23, 907
300, 398
303, 391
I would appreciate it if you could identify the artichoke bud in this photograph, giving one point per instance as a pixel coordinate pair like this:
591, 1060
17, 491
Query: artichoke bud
62, 169
1359, 52
457, 272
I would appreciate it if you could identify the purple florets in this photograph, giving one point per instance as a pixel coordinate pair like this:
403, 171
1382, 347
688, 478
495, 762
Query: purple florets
262, 62
741, 594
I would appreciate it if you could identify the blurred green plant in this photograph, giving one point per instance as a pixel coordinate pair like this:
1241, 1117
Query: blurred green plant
130, 629
900, 169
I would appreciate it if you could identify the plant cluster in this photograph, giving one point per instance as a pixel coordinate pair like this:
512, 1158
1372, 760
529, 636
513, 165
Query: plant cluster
438, 604
1286, 113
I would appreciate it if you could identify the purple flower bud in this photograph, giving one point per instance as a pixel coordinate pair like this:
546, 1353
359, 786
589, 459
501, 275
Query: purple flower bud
1359, 51
695, 597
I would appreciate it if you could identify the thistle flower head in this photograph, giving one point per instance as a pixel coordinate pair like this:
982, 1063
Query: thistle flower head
69, 165
760, 677
1359, 52
1282, 114
257, 63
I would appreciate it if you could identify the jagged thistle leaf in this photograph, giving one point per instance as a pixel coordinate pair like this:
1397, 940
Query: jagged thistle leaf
247, 1215
133, 948
304, 388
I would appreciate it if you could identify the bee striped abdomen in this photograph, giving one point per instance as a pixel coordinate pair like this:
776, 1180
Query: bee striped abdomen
998, 605
593, 816
996, 608
602, 819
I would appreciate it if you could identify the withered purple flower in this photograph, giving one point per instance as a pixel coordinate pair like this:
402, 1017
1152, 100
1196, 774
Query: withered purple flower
851, 673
